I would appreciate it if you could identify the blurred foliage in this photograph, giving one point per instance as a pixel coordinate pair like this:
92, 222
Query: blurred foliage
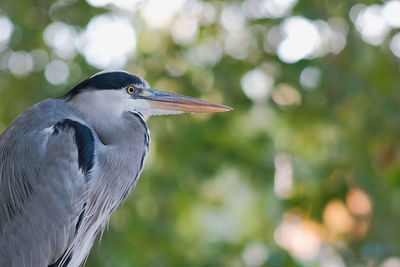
208, 194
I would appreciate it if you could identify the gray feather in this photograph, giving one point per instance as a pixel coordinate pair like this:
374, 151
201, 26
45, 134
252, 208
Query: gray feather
43, 189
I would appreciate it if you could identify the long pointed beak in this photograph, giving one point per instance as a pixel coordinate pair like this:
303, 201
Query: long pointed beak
169, 101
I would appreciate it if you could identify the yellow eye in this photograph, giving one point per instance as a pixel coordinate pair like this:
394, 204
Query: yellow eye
130, 90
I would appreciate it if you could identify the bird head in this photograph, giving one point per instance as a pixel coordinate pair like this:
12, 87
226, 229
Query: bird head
117, 92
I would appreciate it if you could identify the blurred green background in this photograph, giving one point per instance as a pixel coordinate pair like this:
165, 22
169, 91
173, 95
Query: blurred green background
305, 170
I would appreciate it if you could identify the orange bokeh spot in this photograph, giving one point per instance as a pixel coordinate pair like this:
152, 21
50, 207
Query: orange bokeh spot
358, 202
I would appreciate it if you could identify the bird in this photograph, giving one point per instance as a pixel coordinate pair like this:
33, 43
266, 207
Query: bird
67, 163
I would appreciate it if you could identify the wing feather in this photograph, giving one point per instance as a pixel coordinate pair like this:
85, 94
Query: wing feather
43, 192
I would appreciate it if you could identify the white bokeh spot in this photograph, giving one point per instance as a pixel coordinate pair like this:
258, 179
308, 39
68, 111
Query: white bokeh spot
123, 4
395, 45
6, 29
391, 13
20, 63
370, 22
255, 254
310, 77
61, 37
257, 84
301, 39
184, 30
159, 13
391, 262
268, 8
107, 42
56, 72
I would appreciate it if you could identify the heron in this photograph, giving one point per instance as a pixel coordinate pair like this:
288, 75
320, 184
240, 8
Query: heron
67, 163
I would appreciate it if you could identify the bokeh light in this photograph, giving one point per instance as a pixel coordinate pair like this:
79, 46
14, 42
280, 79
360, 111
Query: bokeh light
6, 29
310, 77
268, 8
123, 4
395, 44
391, 262
370, 22
107, 41
391, 11
257, 84
299, 237
56, 72
283, 179
337, 218
184, 30
358, 202
330, 257
255, 254
61, 37
300, 39
286, 95
232, 17
159, 13
20, 63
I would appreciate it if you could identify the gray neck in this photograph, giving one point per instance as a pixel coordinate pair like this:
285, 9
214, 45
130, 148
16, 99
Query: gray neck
120, 131
112, 128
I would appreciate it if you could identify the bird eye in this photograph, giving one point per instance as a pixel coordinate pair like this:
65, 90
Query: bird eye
130, 90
